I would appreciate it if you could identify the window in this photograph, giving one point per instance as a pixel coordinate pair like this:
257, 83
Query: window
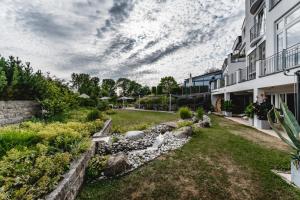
288, 30
262, 51
293, 35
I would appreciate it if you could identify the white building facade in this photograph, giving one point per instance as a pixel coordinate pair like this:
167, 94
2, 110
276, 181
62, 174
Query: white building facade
269, 45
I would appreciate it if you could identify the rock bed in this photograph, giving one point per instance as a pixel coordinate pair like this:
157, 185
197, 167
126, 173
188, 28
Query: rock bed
135, 148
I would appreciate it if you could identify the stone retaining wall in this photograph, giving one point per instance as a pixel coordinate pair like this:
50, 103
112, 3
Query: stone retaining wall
16, 111
69, 187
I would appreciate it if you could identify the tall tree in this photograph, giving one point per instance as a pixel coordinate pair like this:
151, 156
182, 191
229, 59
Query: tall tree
168, 83
108, 87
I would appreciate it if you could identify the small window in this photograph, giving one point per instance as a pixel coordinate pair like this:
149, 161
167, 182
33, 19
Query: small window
293, 35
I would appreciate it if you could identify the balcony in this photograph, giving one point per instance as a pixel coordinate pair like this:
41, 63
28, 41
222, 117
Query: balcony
231, 79
286, 59
243, 74
254, 5
256, 33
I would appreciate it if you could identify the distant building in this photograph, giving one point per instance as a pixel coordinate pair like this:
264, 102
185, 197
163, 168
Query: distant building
203, 80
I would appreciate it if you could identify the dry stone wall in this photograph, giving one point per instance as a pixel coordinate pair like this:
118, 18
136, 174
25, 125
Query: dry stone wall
16, 111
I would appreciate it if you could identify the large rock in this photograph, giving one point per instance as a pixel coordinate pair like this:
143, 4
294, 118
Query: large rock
117, 164
205, 123
171, 125
183, 132
133, 135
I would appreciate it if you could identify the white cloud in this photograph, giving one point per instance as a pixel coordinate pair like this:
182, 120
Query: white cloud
139, 39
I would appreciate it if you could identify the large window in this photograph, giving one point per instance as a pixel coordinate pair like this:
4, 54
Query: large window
288, 30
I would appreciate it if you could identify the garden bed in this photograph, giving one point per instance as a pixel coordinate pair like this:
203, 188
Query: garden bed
34, 156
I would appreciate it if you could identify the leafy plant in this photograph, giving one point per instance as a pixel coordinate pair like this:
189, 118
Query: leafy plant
249, 111
102, 105
262, 109
290, 126
227, 105
184, 123
96, 165
200, 113
185, 113
93, 115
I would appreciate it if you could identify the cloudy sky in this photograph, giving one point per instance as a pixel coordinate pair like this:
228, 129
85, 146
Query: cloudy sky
139, 39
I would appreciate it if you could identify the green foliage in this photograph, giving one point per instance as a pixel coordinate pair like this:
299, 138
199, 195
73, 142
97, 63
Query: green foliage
86, 84
167, 84
108, 87
111, 112
185, 113
290, 125
103, 105
184, 123
262, 109
156, 102
93, 115
227, 105
249, 111
96, 165
200, 113
114, 139
35, 155
153, 91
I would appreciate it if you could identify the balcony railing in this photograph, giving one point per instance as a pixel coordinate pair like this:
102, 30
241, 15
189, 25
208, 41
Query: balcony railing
256, 31
231, 79
285, 59
244, 75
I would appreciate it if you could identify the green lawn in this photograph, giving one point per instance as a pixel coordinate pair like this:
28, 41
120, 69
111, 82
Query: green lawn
125, 120
227, 161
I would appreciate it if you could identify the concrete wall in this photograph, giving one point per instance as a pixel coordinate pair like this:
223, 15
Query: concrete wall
17, 111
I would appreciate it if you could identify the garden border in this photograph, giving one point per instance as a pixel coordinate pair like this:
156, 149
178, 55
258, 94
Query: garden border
69, 187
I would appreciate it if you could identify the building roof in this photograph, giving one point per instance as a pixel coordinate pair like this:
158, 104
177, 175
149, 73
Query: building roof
206, 74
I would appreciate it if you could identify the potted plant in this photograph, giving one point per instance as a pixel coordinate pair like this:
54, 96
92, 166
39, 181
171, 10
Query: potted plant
228, 108
261, 111
249, 111
291, 128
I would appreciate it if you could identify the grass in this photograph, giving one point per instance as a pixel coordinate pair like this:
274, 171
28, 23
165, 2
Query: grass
216, 164
126, 120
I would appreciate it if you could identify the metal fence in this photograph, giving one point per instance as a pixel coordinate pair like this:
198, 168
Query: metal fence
285, 59
256, 31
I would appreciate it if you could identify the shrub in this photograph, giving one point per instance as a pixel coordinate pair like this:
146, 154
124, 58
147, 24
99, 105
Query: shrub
96, 165
103, 105
184, 123
262, 109
249, 111
93, 115
185, 113
110, 112
227, 105
200, 113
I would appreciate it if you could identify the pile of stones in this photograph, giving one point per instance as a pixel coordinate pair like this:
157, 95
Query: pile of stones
135, 148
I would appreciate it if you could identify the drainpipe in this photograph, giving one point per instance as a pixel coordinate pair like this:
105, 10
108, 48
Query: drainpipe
297, 73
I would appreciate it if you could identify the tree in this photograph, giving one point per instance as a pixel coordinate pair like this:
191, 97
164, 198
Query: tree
153, 90
145, 91
211, 70
124, 84
86, 84
168, 83
108, 87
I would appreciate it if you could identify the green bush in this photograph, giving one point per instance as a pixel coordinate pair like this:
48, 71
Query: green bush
185, 113
103, 105
249, 111
227, 105
111, 112
96, 165
184, 123
200, 113
93, 115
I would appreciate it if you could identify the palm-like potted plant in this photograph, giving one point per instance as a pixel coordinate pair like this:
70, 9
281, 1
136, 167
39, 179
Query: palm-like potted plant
249, 111
227, 105
261, 111
291, 128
